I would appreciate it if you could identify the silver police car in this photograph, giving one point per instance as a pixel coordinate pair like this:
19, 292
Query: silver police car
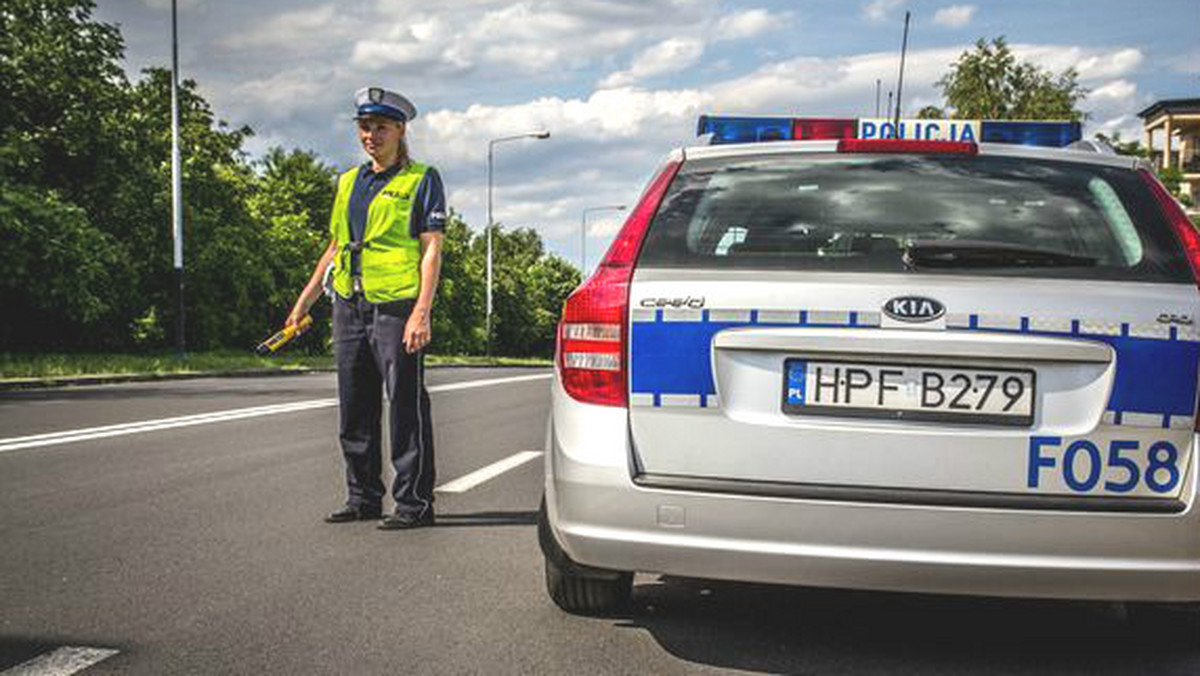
923, 366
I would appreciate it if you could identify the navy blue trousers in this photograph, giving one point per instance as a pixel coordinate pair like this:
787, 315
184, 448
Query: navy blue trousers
368, 342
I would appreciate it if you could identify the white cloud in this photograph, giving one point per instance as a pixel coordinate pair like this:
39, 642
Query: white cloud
609, 117
680, 52
747, 24
878, 10
166, 4
294, 30
830, 86
668, 56
954, 16
283, 91
616, 137
1117, 90
1127, 126
480, 69
431, 44
1092, 64
543, 38
601, 150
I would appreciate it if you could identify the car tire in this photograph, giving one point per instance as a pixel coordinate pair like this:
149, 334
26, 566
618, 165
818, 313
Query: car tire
579, 589
587, 595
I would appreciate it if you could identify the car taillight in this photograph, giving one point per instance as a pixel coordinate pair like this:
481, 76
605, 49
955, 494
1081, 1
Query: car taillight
1185, 232
1181, 225
858, 145
592, 335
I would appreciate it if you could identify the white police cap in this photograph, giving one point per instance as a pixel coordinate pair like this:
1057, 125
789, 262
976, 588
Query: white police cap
379, 101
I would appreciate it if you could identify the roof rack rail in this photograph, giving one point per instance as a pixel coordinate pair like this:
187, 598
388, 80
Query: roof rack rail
1092, 145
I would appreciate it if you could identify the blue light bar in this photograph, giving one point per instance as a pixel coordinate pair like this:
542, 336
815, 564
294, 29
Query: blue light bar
744, 129
756, 129
1047, 134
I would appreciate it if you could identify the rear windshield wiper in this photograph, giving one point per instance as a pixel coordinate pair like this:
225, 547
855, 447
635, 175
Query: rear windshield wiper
972, 253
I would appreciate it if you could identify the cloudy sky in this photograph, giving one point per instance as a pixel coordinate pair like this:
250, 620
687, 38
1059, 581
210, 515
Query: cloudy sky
618, 83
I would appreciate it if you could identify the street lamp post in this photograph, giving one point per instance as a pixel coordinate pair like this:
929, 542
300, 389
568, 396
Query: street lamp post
176, 188
583, 232
490, 223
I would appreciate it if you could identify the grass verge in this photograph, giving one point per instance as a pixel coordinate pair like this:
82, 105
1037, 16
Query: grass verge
66, 365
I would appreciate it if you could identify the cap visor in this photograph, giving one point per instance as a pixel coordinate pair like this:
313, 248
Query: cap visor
381, 111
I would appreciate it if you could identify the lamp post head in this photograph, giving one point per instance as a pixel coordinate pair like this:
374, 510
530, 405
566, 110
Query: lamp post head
541, 134
607, 207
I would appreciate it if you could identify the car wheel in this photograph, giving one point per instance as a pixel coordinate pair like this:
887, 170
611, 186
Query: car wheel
587, 595
579, 589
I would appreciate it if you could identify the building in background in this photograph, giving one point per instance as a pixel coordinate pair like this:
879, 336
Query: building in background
1176, 122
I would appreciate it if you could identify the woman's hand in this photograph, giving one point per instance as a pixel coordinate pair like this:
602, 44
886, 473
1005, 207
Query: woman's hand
418, 330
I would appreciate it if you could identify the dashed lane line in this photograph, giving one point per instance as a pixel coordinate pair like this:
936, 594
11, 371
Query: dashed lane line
61, 662
469, 481
85, 434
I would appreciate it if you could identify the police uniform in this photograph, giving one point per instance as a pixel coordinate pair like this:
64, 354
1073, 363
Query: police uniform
377, 221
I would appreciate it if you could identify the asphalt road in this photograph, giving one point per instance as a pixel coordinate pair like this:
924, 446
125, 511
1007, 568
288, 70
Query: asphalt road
200, 549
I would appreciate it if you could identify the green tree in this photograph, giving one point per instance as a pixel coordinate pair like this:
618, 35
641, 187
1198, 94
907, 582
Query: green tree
1171, 177
989, 83
60, 73
458, 319
60, 172
514, 330
931, 113
228, 277
290, 202
1130, 148
44, 238
551, 280
85, 218
529, 289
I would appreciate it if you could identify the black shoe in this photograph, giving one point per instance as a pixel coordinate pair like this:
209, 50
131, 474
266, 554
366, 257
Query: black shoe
347, 514
402, 521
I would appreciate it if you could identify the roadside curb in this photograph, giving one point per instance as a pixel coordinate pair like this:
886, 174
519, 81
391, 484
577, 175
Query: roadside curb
18, 384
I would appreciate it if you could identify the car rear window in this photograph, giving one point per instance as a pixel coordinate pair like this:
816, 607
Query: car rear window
861, 213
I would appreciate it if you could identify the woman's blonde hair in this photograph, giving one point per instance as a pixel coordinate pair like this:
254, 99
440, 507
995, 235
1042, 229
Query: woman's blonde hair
402, 157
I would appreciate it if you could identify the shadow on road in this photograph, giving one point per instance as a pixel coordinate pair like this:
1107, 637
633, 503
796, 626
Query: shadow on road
778, 629
487, 519
15, 650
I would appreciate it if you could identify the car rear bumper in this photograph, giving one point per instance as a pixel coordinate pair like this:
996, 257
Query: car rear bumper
601, 518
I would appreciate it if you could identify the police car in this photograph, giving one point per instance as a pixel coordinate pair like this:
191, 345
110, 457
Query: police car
865, 357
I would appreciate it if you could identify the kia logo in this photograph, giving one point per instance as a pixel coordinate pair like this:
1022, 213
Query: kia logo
913, 309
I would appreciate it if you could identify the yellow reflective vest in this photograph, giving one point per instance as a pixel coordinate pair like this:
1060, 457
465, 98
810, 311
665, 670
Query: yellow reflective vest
391, 256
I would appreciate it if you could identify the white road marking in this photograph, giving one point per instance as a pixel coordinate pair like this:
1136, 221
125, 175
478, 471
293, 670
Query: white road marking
469, 481
70, 436
448, 387
85, 434
60, 662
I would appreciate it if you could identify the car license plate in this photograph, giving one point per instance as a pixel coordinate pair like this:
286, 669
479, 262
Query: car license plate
956, 394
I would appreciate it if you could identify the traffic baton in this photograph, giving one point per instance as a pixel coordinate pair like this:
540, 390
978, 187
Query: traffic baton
277, 341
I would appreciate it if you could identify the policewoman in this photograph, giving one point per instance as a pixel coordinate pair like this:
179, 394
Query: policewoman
385, 251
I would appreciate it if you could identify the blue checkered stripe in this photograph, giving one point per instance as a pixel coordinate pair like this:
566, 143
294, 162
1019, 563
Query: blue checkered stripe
1155, 383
